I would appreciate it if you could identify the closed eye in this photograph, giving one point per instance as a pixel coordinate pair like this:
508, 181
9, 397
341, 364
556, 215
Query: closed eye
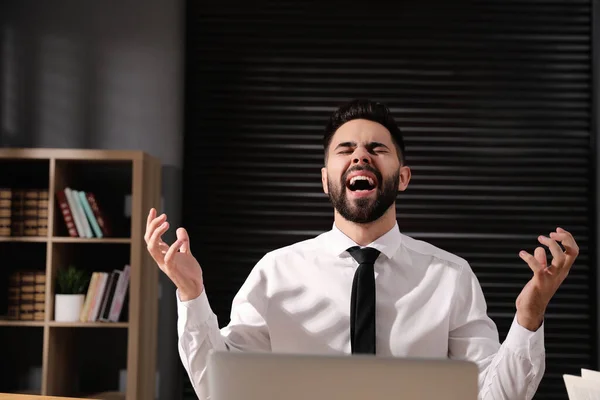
373, 148
345, 147
376, 147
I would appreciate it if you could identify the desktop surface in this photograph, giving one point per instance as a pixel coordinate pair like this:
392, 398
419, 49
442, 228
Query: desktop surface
260, 376
12, 396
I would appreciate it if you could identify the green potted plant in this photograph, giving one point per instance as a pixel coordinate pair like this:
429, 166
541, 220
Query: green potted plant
71, 284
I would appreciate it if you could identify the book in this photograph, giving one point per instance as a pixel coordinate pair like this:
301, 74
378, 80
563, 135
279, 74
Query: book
90, 214
17, 223
81, 208
103, 223
5, 211
105, 296
14, 295
119, 297
27, 295
42, 222
97, 297
30, 212
74, 212
88, 297
87, 229
67, 214
109, 295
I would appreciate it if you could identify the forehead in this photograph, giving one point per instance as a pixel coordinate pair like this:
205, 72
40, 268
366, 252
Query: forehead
361, 131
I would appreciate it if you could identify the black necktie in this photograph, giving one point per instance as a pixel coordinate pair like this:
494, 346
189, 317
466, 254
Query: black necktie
362, 303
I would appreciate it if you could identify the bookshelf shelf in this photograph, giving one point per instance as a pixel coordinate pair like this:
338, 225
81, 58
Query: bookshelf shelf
21, 323
55, 324
126, 184
24, 239
110, 325
64, 239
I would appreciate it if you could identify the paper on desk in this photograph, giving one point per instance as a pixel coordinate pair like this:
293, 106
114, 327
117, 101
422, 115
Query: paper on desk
580, 388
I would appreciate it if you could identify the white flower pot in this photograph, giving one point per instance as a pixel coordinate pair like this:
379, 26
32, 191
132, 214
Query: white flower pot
67, 307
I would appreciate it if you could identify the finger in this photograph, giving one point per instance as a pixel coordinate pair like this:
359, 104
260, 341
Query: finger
567, 241
540, 256
163, 247
151, 216
154, 244
531, 261
154, 224
171, 253
183, 236
156, 237
558, 256
149, 224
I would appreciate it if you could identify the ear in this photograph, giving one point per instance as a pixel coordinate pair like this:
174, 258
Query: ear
404, 178
324, 180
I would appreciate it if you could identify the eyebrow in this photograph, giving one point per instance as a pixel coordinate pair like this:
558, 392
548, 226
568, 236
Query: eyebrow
370, 146
346, 144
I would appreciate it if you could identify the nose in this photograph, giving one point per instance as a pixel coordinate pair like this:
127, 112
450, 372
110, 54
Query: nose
361, 155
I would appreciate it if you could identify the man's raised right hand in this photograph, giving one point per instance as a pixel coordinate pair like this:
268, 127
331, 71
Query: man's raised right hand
176, 260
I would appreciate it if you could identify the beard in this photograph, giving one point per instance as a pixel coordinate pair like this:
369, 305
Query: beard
366, 209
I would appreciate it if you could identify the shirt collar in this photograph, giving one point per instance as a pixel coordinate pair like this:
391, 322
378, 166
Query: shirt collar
337, 241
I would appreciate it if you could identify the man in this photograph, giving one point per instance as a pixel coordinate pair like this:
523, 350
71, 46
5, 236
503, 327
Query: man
364, 287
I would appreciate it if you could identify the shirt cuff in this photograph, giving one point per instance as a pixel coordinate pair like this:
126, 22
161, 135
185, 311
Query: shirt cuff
524, 342
196, 311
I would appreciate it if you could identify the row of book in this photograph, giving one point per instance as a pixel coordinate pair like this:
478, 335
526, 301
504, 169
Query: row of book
23, 212
81, 214
105, 296
27, 295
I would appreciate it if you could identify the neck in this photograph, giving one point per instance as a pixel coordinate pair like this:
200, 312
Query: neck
363, 234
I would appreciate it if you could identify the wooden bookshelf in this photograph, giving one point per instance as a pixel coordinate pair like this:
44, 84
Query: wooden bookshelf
81, 359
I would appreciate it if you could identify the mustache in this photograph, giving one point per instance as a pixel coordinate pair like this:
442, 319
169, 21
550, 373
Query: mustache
365, 167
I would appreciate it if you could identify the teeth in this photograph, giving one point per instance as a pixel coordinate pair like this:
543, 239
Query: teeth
362, 177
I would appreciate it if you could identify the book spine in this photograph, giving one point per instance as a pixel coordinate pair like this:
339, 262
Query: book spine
17, 223
67, 214
28, 290
98, 295
90, 214
87, 229
5, 211
100, 217
119, 298
14, 296
42, 225
30, 212
74, 212
105, 312
39, 298
88, 297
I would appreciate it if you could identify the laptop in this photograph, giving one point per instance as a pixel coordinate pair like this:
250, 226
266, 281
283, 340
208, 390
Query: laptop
273, 376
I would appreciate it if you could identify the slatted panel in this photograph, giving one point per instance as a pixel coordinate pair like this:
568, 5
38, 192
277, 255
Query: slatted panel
494, 99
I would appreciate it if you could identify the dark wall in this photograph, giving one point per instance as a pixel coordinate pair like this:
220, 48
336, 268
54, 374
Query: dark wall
494, 99
93, 75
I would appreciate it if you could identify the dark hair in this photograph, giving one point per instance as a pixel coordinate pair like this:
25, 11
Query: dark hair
364, 109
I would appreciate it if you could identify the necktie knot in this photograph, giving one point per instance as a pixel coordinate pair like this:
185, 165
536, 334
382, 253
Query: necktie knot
366, 255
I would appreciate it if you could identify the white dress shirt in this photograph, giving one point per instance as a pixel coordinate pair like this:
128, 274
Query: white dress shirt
429, 304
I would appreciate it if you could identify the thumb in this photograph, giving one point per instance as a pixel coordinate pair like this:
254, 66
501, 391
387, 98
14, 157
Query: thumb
183, 236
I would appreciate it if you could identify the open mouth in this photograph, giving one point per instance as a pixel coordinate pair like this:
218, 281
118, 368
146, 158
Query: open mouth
361, 182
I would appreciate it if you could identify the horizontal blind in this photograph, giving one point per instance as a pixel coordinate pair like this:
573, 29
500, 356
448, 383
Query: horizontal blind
494, 99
